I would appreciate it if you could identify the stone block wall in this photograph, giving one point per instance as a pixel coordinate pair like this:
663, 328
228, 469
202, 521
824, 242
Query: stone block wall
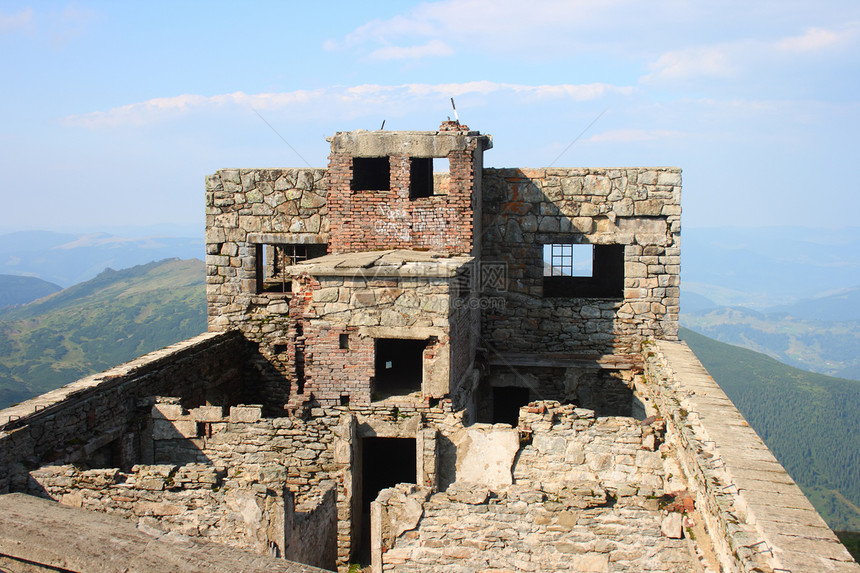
638, 208
245, 209
586, 493
102, 418
224, 505
311, 529
295, 452
194, 500
615, 454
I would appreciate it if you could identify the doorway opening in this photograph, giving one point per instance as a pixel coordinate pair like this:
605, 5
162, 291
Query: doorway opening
507, 401
385, 462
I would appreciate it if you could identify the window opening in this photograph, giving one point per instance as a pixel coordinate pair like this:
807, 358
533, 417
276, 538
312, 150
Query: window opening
441, 176
344, 341
420, 177
568, 260
399, 366
583, 270
273, 260
371, 174
300, 359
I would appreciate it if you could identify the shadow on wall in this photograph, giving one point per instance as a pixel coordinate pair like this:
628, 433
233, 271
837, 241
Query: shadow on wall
569, 242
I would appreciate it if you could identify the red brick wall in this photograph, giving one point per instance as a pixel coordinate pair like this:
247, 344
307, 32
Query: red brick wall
369, 220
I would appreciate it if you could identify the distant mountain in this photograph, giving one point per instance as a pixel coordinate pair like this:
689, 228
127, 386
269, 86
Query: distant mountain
824, 346
840, 306
21, 290
68, 258
95, 325
692, 302
811, 422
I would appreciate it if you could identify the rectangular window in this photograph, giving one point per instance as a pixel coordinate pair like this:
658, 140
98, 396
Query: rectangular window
371, 174
274, 259
398, 366
420, 177
568, 260
583, 270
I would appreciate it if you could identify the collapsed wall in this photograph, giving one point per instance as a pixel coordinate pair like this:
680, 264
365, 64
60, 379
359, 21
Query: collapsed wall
584, 494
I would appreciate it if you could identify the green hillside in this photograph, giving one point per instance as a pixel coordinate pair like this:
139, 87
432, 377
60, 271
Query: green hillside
98, 324
810, 421
16, 289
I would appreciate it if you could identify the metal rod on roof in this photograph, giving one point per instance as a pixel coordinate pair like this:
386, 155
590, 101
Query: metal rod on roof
456, 117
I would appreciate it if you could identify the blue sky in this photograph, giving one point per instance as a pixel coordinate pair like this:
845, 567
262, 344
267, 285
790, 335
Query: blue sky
114, 112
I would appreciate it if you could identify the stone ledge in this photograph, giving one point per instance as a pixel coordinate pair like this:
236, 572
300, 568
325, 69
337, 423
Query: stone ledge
47, 403
750, 466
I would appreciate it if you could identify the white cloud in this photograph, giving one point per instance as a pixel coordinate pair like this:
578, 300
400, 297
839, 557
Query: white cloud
432, 48
21, 21
813, 40
709, 61
341, 101
483, 25
747, 56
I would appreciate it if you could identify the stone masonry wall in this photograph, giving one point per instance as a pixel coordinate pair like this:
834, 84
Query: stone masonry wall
195, 500
104, 416
246, 208
587, 495
218, 504
636, 207
312, 535
294, 452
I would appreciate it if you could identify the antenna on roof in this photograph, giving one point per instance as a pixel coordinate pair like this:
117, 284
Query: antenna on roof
456, 118
382, 126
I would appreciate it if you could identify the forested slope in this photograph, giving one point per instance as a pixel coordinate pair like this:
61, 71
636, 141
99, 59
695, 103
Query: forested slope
810, 421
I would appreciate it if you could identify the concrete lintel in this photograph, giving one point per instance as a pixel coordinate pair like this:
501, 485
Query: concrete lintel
413, 143
405, 332
288, 238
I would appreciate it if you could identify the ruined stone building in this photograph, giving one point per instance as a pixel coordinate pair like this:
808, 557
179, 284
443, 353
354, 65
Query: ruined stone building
425, 364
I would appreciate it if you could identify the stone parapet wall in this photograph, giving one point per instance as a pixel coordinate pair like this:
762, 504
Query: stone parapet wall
195, 500
757, 517
639, 208
103, 418
41, 535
